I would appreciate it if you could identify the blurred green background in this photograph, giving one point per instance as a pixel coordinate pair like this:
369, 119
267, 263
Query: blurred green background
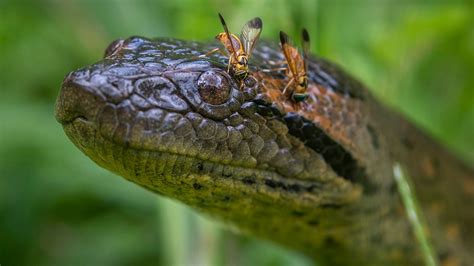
59, 208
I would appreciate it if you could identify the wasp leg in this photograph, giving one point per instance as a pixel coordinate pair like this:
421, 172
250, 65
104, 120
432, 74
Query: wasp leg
268, 70
229, 64
211, 52
288, 85
279, 62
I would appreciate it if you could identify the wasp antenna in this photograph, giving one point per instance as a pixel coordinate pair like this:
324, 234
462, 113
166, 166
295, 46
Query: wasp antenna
283, 38
305, 35
222, 20
228, 35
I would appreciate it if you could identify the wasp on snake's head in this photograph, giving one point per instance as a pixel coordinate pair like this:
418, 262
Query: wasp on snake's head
297, 66
240, 49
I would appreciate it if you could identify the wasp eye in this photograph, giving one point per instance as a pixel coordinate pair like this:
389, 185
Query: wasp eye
213, 88
304, 83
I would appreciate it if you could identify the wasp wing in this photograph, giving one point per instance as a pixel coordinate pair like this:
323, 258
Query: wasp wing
292, 56
306, 44
250, 34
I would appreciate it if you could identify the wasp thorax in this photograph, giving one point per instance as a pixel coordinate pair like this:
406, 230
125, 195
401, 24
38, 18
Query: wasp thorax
303, 82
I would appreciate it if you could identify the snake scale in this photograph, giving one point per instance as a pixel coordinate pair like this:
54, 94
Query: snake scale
315, 176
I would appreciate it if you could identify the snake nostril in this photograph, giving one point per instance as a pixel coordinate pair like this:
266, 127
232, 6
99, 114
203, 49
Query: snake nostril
81, 117
76, 101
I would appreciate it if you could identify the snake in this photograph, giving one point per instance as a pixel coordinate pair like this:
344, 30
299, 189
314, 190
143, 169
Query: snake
314, 176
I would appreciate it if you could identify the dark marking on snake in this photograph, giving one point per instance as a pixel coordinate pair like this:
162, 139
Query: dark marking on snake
407, 143
248, 180
373, 136
334, 154
297, 213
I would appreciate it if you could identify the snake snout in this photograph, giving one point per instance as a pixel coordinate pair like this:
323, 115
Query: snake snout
77, 100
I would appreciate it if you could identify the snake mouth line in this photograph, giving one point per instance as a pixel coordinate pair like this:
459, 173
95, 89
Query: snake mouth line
80, 121
76, 119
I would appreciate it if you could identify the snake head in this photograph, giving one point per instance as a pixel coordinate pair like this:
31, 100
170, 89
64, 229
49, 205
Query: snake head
162, 116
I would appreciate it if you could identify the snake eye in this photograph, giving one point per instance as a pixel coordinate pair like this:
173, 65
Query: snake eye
113, 47
213, 88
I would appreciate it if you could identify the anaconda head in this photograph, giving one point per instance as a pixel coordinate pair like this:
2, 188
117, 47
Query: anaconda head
168, 119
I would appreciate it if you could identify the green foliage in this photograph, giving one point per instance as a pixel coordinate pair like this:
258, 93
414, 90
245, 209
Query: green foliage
58, 208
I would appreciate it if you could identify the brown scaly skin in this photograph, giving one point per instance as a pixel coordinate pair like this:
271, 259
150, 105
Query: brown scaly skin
314, 176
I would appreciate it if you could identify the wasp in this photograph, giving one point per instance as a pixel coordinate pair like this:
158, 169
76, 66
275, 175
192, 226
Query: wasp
240, 49
297, 66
